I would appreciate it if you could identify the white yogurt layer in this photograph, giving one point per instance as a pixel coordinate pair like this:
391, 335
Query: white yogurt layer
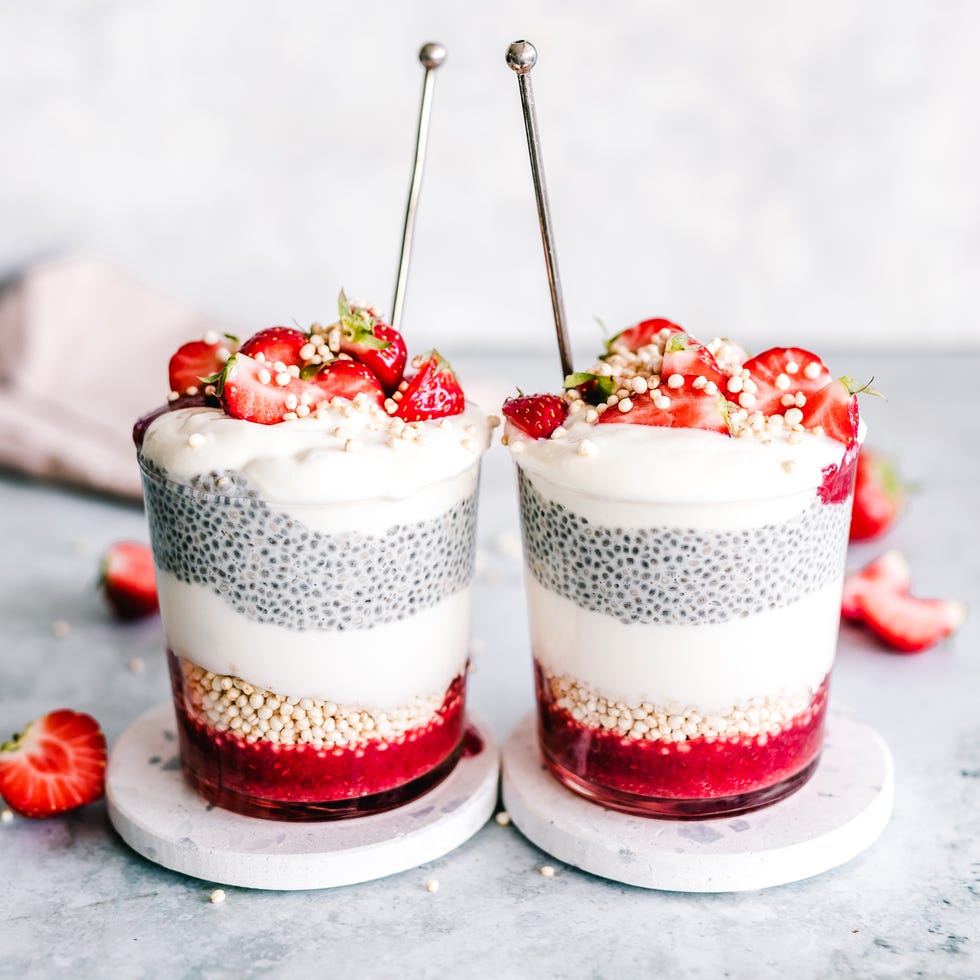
710, 666
637, 464
377, 669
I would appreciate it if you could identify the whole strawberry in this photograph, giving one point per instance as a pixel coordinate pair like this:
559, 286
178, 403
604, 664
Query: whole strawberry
56, 764
128, 581
879, 496
537, 415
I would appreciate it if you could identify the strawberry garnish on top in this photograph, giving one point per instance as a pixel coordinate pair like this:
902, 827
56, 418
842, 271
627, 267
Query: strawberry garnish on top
879, 495
196, 362
276, 344
642, 335
128, 580
780, 373
878, 596
536, 415
367, 339
432, 392
687, 405
684, 355
56, 764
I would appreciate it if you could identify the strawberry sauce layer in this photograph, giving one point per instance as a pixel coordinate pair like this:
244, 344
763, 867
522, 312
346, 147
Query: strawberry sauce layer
698, 777
297, 782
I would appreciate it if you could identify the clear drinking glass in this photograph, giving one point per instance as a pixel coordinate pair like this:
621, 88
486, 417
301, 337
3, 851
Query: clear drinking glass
682, 651
317, 651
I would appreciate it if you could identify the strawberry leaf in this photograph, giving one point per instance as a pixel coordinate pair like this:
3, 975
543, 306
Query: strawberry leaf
596, 388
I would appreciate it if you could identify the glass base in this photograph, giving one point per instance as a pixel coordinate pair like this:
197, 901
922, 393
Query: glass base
678, 809
251, 806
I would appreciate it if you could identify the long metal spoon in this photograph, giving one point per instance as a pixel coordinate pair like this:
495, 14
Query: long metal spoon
432, 55
522, 56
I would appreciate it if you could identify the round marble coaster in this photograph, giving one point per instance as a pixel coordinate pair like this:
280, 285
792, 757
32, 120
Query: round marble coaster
158, 815
841, 811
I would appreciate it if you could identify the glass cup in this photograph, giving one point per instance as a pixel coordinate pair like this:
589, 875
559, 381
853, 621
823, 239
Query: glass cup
682, 651
317, 651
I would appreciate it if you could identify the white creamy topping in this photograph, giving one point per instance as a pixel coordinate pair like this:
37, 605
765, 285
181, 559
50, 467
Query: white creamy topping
311, 459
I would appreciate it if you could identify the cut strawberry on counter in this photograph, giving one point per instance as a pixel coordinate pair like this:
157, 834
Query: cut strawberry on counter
56, 764
879, 495
684, 406
537, 415
879, 597
365, 338
198, 360
128, 581
432, 393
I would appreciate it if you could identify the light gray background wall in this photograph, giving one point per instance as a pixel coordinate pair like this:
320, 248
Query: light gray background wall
775, 171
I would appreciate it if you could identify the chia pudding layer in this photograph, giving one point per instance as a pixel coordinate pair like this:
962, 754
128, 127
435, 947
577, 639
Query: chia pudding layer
315, 603
683, 594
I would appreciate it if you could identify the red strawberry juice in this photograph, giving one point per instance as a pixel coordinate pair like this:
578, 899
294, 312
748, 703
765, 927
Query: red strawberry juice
685, 530
314, 559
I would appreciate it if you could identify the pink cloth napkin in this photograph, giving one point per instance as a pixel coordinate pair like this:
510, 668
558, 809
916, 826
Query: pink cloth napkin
83, 353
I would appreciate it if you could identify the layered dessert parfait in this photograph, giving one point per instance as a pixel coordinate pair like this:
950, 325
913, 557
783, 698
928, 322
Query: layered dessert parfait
311, 497
685, 512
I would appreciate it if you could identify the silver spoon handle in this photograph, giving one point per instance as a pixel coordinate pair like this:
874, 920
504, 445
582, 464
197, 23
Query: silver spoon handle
522, 56
432, 56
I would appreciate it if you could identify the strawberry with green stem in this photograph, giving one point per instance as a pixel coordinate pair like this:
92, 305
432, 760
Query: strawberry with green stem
372, 342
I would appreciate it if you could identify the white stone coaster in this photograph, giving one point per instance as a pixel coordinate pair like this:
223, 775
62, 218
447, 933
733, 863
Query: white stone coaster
158, 815
834, 817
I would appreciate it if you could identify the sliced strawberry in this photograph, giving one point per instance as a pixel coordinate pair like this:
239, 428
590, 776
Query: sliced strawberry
686, 356
537, 415
368, 340
348, 379
432, 393
276, 344
196, 361
250, 391
890, 571
56, 764
643, 334
905, 623
128, 581
878, 496
682, 407
835, 409
785, 371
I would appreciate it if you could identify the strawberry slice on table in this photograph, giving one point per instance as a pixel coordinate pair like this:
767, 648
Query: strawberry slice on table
372, 342
686, 356
196, 361
642, 335
783, 371
128, 581
890, 571
536, 415
879, 495
432, 392
878, 596
276, 344
685, 406
56, 764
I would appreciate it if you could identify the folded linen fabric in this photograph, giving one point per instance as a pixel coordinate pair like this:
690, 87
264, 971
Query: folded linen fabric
83, 353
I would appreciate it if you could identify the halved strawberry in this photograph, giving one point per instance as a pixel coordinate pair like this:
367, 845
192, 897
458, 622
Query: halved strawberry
537, 415
276, 344
685, 355
835, 408
783, 371
908, 624
368, 340
56, 764
432, 393
196, 361
348, 379
890, 571
878, 496
682, 407
643, 334
128, 581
